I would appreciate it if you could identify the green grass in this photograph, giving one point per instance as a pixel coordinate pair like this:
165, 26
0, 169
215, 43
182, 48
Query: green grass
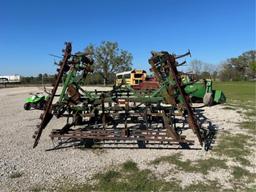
130, 166
239, 94
211, 186
250, 126
202, 166
242, 177
37, 188
243, 95
240, 91
235, 147
239, 173
127, 177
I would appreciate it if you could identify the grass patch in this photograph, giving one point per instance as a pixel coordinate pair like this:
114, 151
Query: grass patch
108, 177
242, 177
241, 91
202, 166
37, 188
71, 186
239, 172
15, 175
127, 177
235, 147
204, 186
175, 160
130, 178
130, 166
250, 126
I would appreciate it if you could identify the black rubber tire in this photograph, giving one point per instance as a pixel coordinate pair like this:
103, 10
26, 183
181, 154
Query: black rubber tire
27, 106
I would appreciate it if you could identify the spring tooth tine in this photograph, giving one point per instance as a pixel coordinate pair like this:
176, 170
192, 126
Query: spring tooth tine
47, 115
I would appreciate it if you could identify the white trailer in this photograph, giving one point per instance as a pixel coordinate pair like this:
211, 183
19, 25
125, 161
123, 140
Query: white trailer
10, 79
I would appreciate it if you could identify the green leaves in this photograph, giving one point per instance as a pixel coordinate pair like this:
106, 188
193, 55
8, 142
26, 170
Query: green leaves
109, 58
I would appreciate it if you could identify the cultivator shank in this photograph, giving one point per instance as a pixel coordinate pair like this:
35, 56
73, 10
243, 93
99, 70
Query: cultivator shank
121, 115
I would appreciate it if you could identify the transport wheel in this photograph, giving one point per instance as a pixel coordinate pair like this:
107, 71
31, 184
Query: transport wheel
208, 99
27, 106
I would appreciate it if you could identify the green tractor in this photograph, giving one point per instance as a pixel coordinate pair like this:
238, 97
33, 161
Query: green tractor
201, 90
36, 101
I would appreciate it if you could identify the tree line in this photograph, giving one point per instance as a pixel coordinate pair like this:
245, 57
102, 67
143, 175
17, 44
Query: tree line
109, 59
91, 79
241, 68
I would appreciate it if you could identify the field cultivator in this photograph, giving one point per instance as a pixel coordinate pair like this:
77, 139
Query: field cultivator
122, 115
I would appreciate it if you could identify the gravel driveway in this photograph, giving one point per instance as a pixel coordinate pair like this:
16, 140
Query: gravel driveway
22, 167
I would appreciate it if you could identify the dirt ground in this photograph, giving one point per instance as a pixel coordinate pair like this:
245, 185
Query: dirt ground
22, 167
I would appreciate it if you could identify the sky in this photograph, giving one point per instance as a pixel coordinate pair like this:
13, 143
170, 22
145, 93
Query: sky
214, 30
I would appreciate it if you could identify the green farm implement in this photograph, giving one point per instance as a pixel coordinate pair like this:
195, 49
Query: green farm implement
121, 115
202, 90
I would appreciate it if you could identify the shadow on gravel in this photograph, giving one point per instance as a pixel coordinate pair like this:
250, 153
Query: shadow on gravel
208, 128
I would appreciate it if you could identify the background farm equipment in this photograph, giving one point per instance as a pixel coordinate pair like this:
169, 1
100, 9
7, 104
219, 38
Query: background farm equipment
202, 90
198, 90
121, 115
36, 101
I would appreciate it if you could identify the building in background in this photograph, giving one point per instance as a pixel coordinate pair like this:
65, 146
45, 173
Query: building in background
4, 79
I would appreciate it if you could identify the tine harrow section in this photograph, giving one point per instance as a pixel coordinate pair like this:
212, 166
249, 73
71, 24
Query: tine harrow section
121, 114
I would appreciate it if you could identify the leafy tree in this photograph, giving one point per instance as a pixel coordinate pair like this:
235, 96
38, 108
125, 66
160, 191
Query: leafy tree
109, 59
205, 75
242, 67
253, 66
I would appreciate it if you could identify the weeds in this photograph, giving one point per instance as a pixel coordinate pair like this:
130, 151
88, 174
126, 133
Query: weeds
127, 177
204, 186
202, 166
130, 166
250, 126
235, 147
37, 188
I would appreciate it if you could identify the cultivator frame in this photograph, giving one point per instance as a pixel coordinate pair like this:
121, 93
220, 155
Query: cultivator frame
122, 114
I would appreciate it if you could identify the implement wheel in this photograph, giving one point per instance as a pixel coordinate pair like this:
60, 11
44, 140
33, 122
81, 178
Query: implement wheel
208, 99
27, 106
